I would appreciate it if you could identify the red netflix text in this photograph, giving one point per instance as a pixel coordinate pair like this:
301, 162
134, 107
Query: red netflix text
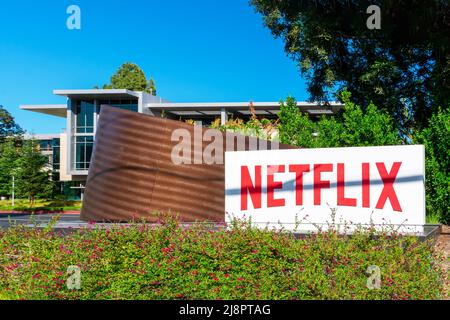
251, 188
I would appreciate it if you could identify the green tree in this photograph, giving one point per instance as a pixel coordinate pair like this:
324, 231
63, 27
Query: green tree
9, 153
32, 173
404, 67
295, 128
353, 126
8, 126
436, 138
130, 76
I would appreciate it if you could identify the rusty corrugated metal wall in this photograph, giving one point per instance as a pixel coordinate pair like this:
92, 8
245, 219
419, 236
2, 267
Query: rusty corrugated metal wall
132, 174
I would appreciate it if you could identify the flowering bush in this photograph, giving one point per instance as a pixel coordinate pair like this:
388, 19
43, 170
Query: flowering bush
171, 261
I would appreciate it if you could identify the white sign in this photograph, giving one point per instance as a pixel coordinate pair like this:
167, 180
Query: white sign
304, 189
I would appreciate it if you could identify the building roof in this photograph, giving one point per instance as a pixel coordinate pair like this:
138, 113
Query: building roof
95, 93
187, 109
59, 110
261, 108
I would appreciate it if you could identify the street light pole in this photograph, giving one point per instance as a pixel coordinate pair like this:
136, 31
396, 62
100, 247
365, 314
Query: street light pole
13, 191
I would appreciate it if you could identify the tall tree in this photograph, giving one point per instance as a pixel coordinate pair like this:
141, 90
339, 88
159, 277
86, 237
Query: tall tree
403, 67
130, 76
8, 127
32, 172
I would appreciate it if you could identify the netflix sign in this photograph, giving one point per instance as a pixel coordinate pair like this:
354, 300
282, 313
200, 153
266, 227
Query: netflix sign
307, 189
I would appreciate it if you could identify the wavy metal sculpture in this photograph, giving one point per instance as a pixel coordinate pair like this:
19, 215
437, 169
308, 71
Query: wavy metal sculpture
132, 175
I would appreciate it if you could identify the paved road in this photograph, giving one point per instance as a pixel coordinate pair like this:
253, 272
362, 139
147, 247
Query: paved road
65, 221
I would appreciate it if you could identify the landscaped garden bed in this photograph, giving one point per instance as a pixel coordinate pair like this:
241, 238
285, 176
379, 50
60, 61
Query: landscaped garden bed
40, 206
170, 261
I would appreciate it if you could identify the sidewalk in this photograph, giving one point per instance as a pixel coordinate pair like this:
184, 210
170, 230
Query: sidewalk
37, 212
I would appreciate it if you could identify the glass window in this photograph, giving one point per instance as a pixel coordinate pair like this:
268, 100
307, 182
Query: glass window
56, 154
84, 112
45, 145
83, 152
131, 105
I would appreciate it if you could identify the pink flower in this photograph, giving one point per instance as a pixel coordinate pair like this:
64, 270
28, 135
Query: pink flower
12, 266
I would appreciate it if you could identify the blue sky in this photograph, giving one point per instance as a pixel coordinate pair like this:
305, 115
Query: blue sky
199, 50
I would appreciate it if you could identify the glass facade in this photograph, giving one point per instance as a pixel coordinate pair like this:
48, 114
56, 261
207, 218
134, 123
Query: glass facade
82, 133
45, 145
56, 154
70, 190
84, 113
126, 104
83, 152
84, 126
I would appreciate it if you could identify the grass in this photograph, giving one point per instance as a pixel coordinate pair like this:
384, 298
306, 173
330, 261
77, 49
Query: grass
171, 261
40, 205
433, 218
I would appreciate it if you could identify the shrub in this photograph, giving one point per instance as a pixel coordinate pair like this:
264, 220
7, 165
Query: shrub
436, 138
352, 127
170, 261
